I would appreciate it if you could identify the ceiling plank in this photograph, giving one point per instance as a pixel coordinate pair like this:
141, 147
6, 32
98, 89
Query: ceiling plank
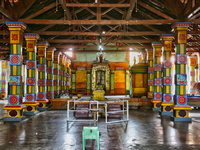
52, 5
96, 22
130, 10
95, 5
154, 10
7, 14
193, 11
30, 3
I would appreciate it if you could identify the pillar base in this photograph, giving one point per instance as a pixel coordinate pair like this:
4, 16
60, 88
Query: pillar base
57, 96
14, 119
42, 109
175, 119
30, 113
156, 109
165, 113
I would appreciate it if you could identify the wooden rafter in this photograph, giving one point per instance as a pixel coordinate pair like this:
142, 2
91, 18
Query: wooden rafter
192, 12
28, 5
7, 14
154, 10
130, 10
66, 10
52, 5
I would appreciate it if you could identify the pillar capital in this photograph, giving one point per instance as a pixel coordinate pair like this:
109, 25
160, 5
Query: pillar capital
157, 48
42, 45
157, 44
56, 57
13, 25
167, 37
180, 25
31, 36
50, 53
149, 49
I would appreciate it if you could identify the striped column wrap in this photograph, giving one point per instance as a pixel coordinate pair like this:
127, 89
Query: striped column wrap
15, 95
192, 73
30, 96
65, 74
3, 80
157, 48
56, 74
88, 81
180, 107
150, 57
41, 95
61, 74
112, 82
167, 99
49, 70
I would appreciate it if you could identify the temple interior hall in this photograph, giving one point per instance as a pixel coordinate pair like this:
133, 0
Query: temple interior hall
99, 74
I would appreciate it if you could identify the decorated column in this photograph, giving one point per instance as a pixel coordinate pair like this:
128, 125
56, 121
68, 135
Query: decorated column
61, 74
56, 74
15, 95
150, 72
112, 83
49, 69
127, 82
73, 81
41, 96
181, 107
157, 46
3, 80
192, 73
67, 67
64, 75
30, 96
167, 99
88, 81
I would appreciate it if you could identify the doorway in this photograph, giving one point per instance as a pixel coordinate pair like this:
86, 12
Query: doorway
100, 78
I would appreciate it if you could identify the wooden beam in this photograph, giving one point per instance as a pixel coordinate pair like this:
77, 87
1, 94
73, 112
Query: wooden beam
154, 10
96, 41
95, 5
137, 33
66, 10
91, 46
94, 51
7, 14
52, 5
130, 10
96, 22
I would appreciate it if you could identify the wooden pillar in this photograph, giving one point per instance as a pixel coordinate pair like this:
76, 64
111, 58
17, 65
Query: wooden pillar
56, 74
30, 96
4, 79
167, 99
112, 83
15, 95
192, 73
49, 70
157, 46
150, 72
181, 107
41, 96
127, 82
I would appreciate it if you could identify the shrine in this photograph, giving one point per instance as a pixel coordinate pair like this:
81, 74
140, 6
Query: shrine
122, 73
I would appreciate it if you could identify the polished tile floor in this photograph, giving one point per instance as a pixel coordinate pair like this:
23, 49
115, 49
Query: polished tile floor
145, 131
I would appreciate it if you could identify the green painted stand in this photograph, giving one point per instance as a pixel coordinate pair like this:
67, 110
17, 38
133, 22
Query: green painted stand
90, 133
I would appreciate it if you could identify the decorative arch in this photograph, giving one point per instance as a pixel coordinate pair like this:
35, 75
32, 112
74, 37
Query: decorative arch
103, 67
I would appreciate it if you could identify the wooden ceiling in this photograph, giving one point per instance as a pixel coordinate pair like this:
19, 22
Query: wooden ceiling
116, 25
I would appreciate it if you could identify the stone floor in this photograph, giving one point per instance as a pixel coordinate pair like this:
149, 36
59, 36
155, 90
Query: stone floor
145, 131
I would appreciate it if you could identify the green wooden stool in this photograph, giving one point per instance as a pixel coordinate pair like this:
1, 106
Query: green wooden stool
90, 133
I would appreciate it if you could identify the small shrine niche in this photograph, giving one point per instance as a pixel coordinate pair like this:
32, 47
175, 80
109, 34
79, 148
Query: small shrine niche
100, 58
